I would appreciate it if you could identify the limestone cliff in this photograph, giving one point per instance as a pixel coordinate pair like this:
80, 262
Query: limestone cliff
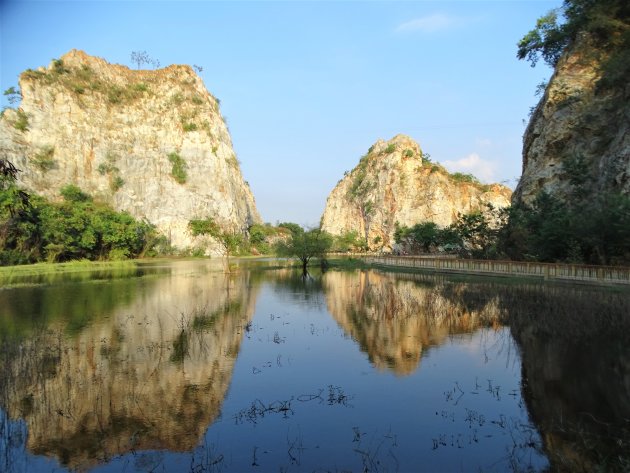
150, 142
393, 183
578, 137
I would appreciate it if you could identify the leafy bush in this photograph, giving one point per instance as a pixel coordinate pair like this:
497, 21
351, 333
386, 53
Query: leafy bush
72, 193
349, 242
77, 228
205, 226
178, 169
390, 148
408, 153
104, 168
461, 177
189, 126
58, 67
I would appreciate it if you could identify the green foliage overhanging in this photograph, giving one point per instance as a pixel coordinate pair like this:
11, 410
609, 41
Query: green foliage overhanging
605, 22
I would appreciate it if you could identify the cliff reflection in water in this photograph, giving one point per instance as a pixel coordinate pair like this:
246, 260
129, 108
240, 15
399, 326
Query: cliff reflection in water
150, 374
575, 355
574, 344
395, 318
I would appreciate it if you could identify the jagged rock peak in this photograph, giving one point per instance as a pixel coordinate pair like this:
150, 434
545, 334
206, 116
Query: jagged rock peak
76, 58
398, 143
149, 142
395, 182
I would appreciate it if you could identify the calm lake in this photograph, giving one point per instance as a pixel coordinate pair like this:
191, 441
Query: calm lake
180, 366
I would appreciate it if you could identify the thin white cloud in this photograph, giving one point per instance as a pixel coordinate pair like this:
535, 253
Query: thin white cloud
475, 165
483, 142
428, 24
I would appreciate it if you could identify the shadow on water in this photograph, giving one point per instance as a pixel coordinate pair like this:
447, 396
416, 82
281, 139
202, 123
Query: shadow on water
574, 344
575, 350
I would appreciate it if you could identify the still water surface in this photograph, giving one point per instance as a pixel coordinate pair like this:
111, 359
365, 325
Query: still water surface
181, 367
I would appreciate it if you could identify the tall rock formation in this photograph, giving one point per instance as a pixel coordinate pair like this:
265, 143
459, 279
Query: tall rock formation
578, 137
393, 183
149, 142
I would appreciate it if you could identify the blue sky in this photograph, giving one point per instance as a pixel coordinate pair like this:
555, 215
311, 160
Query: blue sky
308, 87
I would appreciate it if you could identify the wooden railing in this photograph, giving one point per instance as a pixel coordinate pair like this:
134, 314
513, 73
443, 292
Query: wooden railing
568, 272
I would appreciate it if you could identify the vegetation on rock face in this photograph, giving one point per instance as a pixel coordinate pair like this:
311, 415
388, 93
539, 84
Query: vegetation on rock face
21, 122
77, 228
43, 159
605, 22
178, 169
109, 168
79, 80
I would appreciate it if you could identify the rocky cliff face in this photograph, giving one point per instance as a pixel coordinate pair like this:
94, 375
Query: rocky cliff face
393, 183
578, 138
150, 142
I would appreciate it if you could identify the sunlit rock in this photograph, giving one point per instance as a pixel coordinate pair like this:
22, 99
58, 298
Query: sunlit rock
149, 142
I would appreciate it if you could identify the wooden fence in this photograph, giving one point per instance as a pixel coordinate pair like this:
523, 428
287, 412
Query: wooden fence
551, 271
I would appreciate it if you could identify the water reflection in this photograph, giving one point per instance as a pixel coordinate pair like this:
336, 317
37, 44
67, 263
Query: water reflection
396, 318
97, 371
575, 349
149, 373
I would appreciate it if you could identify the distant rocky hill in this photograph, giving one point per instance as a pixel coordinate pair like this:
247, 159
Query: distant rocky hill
577, 143
393, 183
149, 142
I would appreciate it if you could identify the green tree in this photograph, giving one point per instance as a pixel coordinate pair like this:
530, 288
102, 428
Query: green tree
13, 95
605, 22
294, 228
349, 241
548, 40
305, 246
478, 231
229, 241
427, 235
76, 228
